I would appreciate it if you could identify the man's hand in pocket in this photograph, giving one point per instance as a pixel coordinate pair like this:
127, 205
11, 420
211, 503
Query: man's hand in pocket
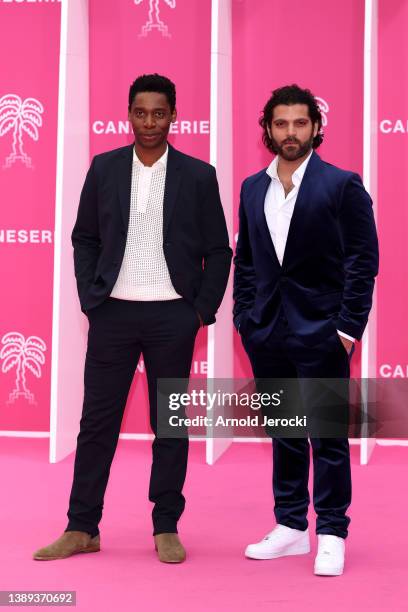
348, 344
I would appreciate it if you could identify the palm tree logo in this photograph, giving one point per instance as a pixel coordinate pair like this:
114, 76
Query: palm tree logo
24, 355
19, 116
154, 22
324, 109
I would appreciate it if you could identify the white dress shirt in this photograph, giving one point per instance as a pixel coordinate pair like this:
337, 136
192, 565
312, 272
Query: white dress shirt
279, 209
144, 274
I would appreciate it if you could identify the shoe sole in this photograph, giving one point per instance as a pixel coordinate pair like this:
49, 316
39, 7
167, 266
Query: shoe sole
326, 572
290, 551
77, 552
172, 561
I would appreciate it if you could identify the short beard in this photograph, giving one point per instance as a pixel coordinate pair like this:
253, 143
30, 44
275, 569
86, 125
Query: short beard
303, 149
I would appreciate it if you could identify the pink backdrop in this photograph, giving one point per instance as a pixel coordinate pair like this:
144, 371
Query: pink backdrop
29, 57
393, 190
269, 49
272, 48
120, 50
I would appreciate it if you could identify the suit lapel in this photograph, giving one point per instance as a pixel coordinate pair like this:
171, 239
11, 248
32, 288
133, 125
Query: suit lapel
301, 208
171, 188
259, 205
124, 174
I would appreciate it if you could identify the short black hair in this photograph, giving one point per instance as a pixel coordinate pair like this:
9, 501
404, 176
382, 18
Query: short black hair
289, 95
154, 82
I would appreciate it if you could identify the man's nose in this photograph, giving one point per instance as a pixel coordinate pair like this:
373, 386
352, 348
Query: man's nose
149, 121
291, 129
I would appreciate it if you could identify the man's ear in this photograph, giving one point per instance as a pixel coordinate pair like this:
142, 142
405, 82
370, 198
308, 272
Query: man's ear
174, 115
268, 129
315, 129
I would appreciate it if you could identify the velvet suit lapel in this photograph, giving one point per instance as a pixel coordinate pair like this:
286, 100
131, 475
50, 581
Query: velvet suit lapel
301, 209
259, 206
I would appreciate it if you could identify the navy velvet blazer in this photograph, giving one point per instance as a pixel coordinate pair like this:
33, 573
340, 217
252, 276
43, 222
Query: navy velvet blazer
195, 237
326, 280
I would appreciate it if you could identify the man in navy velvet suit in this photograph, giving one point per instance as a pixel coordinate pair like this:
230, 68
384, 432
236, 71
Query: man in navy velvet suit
305, 264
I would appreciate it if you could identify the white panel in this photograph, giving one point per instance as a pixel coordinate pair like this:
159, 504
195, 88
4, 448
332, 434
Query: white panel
220, 335
370, 168
69, 325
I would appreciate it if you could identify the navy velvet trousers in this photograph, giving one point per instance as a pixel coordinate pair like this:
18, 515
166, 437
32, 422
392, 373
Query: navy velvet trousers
284, 356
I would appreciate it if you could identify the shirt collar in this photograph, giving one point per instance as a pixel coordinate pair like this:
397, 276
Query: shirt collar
161, 162
297, 176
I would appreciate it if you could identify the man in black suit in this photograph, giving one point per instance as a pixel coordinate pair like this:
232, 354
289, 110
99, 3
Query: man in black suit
305, 264
152, 261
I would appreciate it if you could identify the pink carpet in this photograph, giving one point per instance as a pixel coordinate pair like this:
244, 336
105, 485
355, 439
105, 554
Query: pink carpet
228, 506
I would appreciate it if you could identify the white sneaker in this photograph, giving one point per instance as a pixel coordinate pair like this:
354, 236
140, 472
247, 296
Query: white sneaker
330, 555
280, 542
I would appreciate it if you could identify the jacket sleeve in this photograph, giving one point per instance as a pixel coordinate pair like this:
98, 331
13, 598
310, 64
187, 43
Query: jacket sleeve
244, 273
360, 245
85, 235
217, 252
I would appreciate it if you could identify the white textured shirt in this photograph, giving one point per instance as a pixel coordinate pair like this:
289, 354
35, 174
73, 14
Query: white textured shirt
144, 274
279, 208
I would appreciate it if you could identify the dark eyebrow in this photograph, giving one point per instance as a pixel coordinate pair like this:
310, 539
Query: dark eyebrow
158, 108
297, 119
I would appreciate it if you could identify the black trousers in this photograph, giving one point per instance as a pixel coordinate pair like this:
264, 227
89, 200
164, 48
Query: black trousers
285, 356
119, 332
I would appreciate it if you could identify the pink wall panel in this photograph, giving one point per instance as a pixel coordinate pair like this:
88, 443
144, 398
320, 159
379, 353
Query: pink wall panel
123, 45
269, 50
315, 45
393, 189
29, 57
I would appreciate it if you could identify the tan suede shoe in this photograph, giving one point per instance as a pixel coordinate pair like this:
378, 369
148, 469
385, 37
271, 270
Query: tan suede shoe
70, 543
169, 548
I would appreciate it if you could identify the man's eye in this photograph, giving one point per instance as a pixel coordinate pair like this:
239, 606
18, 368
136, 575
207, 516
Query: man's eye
160, 115
139, 113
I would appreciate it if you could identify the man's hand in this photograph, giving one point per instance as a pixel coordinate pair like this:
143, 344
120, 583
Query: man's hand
348, 344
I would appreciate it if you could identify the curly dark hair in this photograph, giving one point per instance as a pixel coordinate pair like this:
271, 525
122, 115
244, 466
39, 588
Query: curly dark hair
154, 82
291, 94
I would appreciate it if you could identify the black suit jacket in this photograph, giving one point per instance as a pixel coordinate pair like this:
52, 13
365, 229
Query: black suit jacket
195, 238
326, 279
